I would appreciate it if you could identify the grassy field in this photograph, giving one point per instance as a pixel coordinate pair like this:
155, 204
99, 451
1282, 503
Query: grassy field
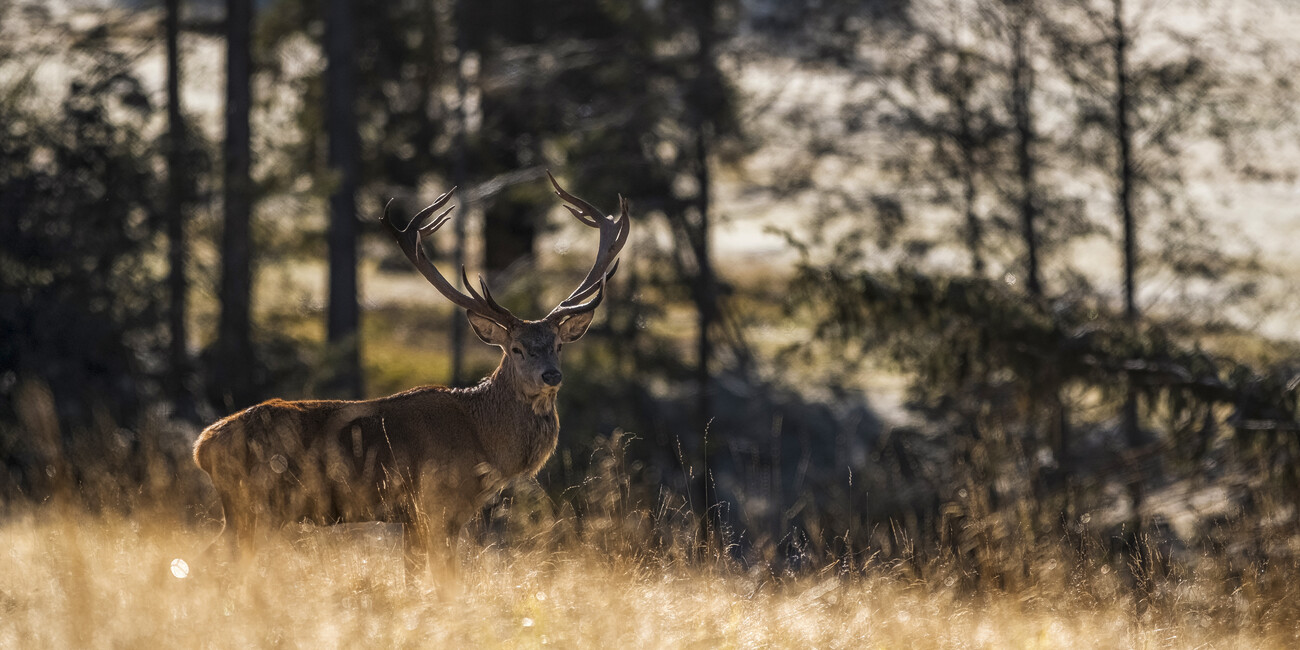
71, 579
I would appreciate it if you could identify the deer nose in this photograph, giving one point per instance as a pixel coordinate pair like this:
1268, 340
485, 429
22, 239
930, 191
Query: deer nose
552, 377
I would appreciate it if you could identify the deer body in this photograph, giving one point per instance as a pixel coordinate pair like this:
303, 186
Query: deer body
428, 458
331, 462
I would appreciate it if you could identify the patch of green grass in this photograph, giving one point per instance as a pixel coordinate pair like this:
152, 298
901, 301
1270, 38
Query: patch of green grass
402, 349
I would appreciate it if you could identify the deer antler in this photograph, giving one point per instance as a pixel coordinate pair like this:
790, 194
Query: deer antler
613, 234
408, 239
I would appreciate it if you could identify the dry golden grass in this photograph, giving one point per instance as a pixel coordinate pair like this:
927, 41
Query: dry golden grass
74, 580
78, 571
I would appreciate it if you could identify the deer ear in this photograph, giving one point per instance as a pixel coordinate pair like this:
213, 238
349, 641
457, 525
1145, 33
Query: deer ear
574, 327
488, 330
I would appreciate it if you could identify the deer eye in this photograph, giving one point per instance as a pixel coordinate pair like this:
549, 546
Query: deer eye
517, 351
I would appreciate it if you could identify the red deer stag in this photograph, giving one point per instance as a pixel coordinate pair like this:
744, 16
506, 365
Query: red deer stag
428, 458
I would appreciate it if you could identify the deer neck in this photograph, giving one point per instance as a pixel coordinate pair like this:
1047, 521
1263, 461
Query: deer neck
509, 392
522, 429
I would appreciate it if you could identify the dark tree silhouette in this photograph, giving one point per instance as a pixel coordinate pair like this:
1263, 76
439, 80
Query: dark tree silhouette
1139, 555
178, 381
703, 101
80, 310
344, 160
1124, 174
1020, 14
233, 386
460, 175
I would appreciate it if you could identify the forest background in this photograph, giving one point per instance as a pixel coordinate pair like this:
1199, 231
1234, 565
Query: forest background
979, 297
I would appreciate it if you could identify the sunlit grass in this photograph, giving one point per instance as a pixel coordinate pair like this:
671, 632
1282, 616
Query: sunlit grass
70, 579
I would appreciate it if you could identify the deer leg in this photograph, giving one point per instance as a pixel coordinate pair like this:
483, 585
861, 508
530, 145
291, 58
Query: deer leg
225, 539
431, 546
243, 526
415, 545
451, 541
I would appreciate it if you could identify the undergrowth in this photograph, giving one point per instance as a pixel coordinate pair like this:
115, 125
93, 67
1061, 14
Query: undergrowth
606, 565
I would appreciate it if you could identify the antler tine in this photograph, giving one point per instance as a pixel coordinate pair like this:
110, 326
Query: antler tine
582, 293
564, 311
586, 209
419, 216
607, 252
433, 226
581, 216
486, 297
409, 238
613, 235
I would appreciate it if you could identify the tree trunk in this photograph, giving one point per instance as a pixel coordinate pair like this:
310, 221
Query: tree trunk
344, 153
705, 294
509, 232
1021, 88
1124, 140
1138, 557
966, 143
178, 380
459, 178
234, 363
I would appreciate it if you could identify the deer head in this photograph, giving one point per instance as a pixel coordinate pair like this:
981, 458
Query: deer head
531, 348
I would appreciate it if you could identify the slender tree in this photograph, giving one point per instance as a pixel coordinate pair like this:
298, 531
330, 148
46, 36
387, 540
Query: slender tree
1020, 15
1124, 148
967, 146
1022, 86
344, 157
460, 175
234, 362
947, 94
516, 116
702, 98
1124, 181
178, 355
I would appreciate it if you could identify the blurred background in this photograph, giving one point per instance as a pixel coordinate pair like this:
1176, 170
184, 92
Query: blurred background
958, 281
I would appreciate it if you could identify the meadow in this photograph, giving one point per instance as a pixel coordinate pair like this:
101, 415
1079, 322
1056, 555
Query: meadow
531, 573
943, 324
